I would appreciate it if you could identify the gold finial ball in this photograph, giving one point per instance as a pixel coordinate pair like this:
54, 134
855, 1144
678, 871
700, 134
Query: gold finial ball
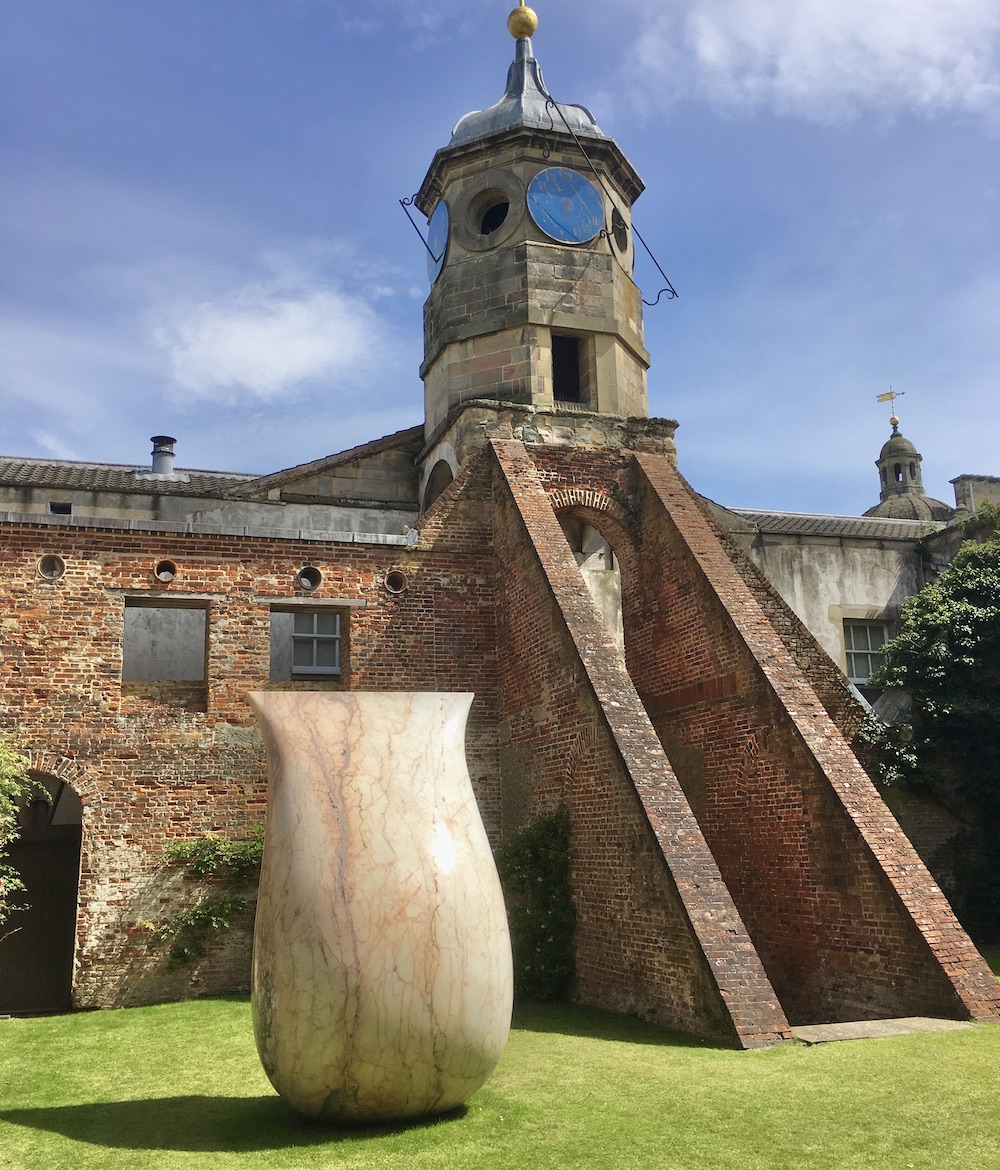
894, 422
522, 22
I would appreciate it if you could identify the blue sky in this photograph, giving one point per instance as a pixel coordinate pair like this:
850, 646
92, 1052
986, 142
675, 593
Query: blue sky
201, 234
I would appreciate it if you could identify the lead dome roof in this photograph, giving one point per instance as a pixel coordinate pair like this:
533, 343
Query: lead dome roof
896, 444
525, 103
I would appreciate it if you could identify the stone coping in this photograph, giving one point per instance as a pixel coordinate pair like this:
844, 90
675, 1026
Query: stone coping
193, 528
873, 1029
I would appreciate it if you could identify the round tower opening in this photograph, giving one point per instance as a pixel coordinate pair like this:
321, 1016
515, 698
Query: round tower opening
489, 211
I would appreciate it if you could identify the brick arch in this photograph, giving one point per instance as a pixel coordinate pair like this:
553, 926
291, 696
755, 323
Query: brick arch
610, 519
71, 772
565, 498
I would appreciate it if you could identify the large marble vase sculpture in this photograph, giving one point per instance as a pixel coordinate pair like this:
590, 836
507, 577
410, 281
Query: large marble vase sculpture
382, 978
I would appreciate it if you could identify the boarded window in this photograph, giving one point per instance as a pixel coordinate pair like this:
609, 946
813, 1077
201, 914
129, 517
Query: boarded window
163, 643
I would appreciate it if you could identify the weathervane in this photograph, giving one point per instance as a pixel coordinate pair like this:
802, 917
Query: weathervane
891, 396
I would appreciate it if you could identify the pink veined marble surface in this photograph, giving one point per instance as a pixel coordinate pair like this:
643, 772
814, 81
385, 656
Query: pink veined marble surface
382, 979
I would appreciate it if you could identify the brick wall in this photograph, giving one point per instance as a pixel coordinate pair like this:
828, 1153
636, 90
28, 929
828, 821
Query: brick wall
657, 932
846, 917
148, 767
755, 823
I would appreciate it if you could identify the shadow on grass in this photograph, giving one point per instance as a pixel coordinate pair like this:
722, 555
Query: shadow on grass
192, 1124
593, 1023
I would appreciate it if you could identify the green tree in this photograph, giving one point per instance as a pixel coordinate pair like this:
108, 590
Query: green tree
15, 783
947, 655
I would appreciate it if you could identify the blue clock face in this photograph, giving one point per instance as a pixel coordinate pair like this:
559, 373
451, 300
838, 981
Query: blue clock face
565, 205
437, 240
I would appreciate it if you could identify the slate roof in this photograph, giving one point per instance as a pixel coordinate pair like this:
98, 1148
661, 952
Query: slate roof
117, 477
811, 524
130, 477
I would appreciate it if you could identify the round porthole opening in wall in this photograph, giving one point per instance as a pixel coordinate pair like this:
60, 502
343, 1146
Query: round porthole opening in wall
165, 572
308, 578
487, 210
490, 211
51, 567
395, 581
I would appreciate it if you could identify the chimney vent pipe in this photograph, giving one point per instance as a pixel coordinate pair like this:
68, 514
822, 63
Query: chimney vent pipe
163, 454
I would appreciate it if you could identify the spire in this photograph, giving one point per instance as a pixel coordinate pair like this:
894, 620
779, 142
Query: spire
526, 102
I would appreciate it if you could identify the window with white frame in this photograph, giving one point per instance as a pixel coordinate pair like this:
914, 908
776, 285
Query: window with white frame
306, 643
863, 642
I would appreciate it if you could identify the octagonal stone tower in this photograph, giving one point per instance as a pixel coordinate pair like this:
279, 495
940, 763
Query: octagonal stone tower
533, 311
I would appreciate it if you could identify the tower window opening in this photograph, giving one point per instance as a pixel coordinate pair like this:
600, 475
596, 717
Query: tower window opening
566, 382
493, 216
913, 470
897, 472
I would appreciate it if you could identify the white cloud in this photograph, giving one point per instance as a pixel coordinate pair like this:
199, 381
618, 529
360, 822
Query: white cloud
126, 313
53, 445
270, 342
824, 59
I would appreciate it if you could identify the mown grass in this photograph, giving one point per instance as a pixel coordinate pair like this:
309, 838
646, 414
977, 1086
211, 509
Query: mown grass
179, 1085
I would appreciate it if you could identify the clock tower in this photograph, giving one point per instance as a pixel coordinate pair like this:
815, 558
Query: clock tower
533, 318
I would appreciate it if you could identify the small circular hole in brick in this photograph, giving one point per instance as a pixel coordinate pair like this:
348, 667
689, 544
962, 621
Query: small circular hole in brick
395, 581
309, 578
51, 567
165, 572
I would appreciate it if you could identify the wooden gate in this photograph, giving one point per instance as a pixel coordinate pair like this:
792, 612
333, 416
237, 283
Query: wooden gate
36, 956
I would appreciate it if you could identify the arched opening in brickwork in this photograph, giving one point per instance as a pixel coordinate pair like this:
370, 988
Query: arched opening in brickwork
599, 567
440, 477
37, 943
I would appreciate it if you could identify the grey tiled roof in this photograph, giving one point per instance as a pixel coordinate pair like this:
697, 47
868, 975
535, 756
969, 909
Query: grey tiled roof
116, 477
810, 524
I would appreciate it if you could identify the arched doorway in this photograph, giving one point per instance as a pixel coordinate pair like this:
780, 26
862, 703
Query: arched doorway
37, 943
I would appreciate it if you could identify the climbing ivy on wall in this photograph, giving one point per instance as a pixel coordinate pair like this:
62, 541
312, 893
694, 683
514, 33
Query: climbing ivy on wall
15, 785
535, 871
233, 864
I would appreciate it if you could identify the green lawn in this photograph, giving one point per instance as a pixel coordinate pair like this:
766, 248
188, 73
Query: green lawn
179, 1085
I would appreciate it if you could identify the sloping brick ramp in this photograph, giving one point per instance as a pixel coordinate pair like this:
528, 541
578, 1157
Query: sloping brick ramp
917, 896
729, 958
